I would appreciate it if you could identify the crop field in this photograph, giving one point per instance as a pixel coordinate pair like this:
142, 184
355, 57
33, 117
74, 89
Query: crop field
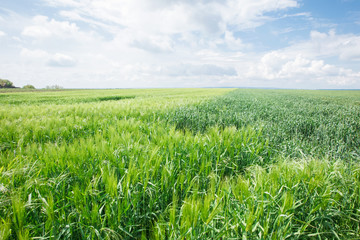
180, 164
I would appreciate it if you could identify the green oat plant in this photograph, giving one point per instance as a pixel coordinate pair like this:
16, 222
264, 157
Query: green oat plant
179, 164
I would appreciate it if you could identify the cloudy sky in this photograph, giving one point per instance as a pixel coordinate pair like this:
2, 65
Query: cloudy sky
308, 44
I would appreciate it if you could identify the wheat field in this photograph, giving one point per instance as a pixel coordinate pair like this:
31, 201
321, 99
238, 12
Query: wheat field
180, 164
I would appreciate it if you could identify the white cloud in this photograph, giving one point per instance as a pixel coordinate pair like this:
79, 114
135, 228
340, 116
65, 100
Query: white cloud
2, 34
33, 54
154, 44
248, 14
279, 65
346, 47
230, 42
61, 60
305, 63
68, 3
186, 70
177, 16
38, 56
36, 32
43, 27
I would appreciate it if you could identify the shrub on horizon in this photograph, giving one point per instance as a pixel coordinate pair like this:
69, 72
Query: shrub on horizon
29, 86
6, 84
54, 87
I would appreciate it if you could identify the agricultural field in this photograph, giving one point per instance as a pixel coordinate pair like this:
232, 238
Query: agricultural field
180, 164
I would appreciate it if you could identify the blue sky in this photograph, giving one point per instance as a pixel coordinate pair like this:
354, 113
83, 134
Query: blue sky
310, 44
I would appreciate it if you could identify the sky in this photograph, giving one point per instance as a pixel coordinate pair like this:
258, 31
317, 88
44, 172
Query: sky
301, 44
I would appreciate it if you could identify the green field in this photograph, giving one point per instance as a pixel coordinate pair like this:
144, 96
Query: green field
180, 164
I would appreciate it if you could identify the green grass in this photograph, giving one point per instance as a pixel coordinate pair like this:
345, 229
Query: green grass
180, 164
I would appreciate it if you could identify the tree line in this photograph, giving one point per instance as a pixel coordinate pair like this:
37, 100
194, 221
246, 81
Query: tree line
4, 83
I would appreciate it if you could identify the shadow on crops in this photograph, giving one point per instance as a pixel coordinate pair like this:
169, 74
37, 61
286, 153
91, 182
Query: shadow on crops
113, 98
58, 100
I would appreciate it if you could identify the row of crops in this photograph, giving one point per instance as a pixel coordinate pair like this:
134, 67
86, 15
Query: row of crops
180, 164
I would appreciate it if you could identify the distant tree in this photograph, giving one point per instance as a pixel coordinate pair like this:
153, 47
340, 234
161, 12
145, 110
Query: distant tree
6, 84
54, 87
28, 87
